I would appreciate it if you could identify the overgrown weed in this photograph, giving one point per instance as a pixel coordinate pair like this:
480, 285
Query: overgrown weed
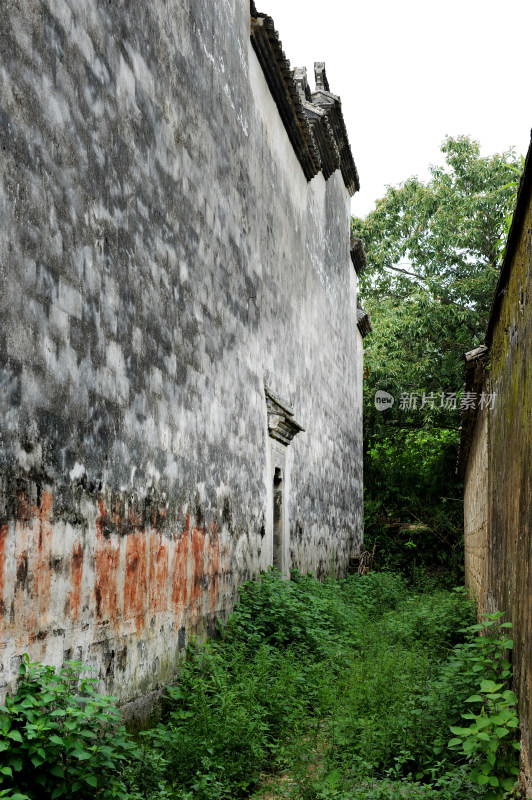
343, 689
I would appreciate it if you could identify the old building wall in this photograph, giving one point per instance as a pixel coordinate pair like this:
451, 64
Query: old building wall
510, 467
476, 511
162, 256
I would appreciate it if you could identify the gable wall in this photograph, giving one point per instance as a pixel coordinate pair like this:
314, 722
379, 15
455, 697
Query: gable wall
161, 256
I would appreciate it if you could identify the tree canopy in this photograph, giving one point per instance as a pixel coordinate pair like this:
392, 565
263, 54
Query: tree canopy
434, 251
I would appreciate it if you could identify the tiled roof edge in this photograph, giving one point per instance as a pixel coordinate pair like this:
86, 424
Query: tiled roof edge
320, 126
358, 255
525, 187
279, 77
332, 104
363, 321
475, 365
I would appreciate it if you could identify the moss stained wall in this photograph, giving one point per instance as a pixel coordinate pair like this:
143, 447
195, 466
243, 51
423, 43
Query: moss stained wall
510, 469
502, 576
476, 511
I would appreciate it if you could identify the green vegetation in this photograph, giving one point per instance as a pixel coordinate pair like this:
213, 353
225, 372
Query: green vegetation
434, 251
343, 689
60, 738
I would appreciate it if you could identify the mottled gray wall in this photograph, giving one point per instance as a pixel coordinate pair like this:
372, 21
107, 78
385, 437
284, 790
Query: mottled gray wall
161, 256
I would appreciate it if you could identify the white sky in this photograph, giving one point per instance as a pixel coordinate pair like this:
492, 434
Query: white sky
411, 71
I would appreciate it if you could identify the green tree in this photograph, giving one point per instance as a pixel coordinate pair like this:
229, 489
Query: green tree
434, 251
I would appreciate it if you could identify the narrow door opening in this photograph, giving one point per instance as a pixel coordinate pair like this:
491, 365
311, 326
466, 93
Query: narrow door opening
278, 519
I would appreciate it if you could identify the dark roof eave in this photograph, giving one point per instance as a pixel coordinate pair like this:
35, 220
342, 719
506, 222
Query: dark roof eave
358, 255
525, 187
324, 138
332, 104
363, 321
475, 366
278, 74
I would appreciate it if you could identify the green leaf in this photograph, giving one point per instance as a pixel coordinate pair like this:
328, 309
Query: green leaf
470, 745
490, 686
81, 755
454, 742
92, 781
57, 770
501, 732
15, 736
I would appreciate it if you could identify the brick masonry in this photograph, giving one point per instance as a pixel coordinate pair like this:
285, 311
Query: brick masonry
476, 511
498, 484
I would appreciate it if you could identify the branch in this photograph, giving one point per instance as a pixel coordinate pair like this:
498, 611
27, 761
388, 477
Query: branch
406, 272
439, 299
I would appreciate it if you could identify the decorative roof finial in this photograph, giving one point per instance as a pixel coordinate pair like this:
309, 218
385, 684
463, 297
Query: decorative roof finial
321, 77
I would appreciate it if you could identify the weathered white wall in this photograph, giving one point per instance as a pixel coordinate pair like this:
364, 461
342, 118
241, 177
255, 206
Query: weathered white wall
161, 257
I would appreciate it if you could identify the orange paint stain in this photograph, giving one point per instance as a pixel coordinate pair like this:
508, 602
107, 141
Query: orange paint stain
33, 573
40, 563
135, 579
3, 539
158, 573
197, 542
19, 609
76, 576
106, 570
180, 572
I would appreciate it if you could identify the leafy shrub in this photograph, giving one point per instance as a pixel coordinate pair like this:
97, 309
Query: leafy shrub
306, 615
59, 738
212, 735
490, 741
434, 619
242, 702
352, 685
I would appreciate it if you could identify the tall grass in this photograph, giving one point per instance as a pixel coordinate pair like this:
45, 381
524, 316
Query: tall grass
344, 689
335, 689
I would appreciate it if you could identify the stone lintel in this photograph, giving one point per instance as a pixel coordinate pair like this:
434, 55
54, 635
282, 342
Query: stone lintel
281, 423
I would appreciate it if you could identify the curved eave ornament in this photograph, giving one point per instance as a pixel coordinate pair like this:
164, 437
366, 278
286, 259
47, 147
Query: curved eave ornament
363, 321
281, 423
